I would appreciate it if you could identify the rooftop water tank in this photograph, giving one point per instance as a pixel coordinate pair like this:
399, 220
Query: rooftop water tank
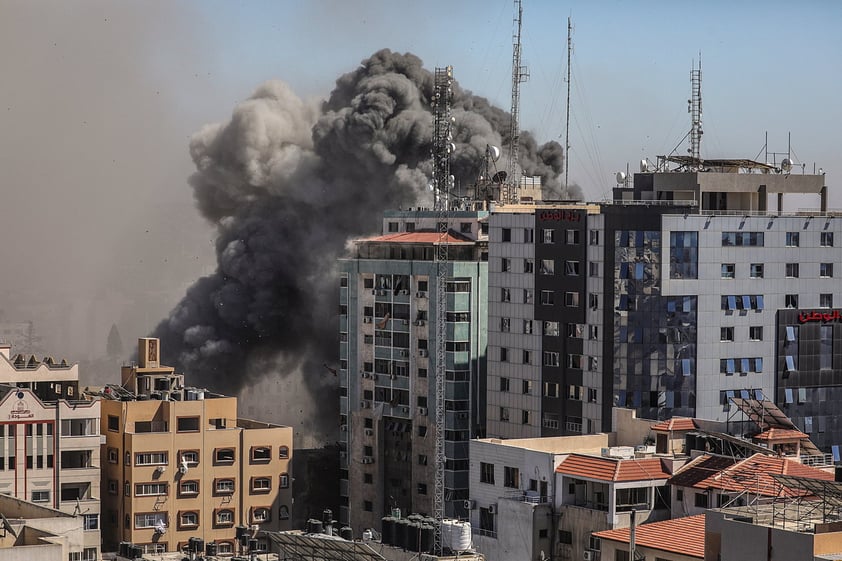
456, 535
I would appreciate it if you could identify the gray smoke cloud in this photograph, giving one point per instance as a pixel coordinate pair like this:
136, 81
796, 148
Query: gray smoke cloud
287, 182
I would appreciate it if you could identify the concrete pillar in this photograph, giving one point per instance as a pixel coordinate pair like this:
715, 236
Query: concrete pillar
823, 195
780, 203
762, 199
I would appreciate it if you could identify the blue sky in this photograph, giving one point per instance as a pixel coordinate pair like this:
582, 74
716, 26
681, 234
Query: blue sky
767, 66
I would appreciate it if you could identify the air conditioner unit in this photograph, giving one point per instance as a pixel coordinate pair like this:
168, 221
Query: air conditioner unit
588, 555
404, 292
364, 404
183, 468
405, 322
343, 428
374, 292
368, 460
419, 322
403, 352
161, 469
366, 319
405, 409
422, 411
255, 527
423, 352
420, 294
470, 505
369, 432
492, 509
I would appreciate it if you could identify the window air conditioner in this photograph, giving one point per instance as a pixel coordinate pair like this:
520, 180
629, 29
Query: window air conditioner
470, 505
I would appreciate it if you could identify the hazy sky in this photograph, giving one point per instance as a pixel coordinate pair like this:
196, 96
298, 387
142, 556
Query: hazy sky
99, 99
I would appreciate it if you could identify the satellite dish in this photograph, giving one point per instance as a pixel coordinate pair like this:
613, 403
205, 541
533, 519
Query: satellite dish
494, 152
499, 177
430, 186
621, 177
644, 165
786, 165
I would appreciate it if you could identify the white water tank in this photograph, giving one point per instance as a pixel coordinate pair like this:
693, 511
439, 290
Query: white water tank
456, 535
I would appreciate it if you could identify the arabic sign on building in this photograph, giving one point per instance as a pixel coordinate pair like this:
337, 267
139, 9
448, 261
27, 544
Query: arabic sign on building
21, 410
823, 316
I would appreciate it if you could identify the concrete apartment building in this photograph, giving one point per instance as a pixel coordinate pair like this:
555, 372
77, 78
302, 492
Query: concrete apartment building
693, 286
179, 463
388, 344
50, 444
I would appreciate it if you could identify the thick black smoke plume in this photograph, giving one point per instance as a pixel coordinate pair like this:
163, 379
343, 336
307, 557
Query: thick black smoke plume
287, 183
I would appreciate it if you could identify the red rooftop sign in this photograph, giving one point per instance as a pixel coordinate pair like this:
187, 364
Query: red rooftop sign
818, 315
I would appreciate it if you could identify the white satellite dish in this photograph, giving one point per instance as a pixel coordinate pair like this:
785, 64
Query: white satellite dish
621, 177
494, 152
786, 165
644, 165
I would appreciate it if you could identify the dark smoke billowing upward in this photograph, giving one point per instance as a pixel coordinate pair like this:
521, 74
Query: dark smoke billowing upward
287, 183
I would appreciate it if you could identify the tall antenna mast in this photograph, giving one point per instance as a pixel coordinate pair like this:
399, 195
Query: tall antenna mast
567, 126
519, 75
442, 148
695, 110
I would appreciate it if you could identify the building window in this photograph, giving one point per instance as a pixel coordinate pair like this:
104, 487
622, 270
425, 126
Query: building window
188, 519
528, 235
826, 270
550, 389
422, 488
223, 486
791, 301
547, 297
224, 517
261, 454
284, 481
505, 325
188, 488
422, 459
792, 270
150, 520
505, 295
368, 478
190, 457
549, 235
792, 239
113, 423
187, 424
150, 489
701, 500
422, 431
260, 514
826, 348
593, 269
756, 271
393, 226
527, 326
726, 334
593, 237
551, 328
91, 522
504, 354
826, 300
574, 361
224, 456
261, 484
150, 459
571, 299
505, 264
525, 356
526, 387
511, 477
593, 301
113, 455
547, 267
528, 265
826, 239
551, 358
524, 417
755, 333
507, 234
283, 452
504, 413
572, 237
40, 496
728, 270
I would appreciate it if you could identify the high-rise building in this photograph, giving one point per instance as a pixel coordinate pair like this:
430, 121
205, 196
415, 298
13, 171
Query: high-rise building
180, 464
49, 444
388, 314
693, 286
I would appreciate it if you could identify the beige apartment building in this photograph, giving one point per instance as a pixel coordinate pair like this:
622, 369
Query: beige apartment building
50, 446
180, 464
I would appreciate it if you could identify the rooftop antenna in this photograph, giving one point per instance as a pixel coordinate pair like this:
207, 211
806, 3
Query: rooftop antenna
520, 74
567, 125
694, 107
442, 149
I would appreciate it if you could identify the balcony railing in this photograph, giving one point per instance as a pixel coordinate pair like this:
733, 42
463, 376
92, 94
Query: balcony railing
820, 460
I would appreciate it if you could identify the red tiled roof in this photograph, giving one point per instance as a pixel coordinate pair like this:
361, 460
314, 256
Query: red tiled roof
422, 237
676, 423
685, 536
776, 433
613, 469
728, 474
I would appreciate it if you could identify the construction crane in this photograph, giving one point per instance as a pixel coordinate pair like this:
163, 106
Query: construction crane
442, 184
520, 74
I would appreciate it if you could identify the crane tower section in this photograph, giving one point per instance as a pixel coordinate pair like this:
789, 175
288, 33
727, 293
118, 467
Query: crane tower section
520, 74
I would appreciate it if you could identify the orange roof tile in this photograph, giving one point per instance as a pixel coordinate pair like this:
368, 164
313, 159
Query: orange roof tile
685, 536
613, 469
421, 236
676, 423
776, 433
752, 473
